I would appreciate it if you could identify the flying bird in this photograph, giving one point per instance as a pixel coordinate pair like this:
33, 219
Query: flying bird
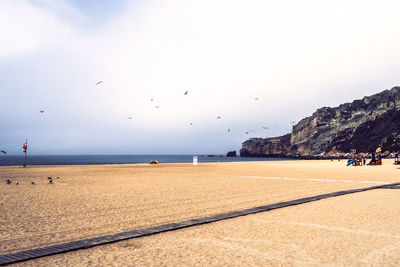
2, 151
265, 128
42, 111
186, 93
293, 122
99, 82
157, 106
191, 123
151, 99
129, 118
219, 117
229, 130
256, 98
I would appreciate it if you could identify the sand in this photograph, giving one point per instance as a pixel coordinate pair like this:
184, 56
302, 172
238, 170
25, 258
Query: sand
95, 200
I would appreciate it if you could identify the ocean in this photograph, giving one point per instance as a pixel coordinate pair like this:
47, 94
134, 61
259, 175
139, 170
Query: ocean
119, 159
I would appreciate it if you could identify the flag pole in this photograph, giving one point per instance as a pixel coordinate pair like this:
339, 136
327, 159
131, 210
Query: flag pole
26, 142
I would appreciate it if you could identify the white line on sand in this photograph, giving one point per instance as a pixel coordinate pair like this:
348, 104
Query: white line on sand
309, 179
330, 228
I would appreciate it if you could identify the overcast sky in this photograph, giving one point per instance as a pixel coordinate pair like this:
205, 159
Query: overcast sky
296, 56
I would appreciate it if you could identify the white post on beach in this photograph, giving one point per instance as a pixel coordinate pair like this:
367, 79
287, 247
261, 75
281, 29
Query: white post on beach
194, 160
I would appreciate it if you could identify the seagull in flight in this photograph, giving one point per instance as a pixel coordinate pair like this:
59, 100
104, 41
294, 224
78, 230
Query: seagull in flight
130, 117
256, 98
186, 92
265, 128
151, 100
42, 111
191, 123
219, 117
157, 106
2, 151
99, 82
229, 130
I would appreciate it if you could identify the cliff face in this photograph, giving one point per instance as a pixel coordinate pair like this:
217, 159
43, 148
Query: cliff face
259, 147
332, 132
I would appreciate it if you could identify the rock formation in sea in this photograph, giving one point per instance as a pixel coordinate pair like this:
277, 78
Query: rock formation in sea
231, 154
364, 125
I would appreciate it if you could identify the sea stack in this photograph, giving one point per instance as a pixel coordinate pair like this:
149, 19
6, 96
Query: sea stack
231, 154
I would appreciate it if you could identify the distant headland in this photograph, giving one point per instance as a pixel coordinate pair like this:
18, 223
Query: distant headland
364, 125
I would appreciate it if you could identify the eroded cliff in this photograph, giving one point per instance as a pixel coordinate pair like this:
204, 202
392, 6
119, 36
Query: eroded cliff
332, 132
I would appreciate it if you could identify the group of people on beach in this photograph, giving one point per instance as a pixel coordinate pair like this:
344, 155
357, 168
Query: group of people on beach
376, 159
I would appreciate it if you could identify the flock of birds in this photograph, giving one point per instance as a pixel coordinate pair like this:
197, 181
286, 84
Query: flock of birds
49, 179
191, 123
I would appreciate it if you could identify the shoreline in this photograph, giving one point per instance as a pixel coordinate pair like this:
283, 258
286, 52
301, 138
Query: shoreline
135, 164
280, 160
123, 160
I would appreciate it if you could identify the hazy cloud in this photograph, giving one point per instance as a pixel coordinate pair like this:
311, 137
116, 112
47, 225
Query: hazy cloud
296, 56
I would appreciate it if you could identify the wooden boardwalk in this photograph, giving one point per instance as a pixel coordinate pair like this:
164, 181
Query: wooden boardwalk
101, 240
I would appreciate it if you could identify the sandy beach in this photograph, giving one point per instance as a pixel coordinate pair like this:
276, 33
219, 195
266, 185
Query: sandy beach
89, 201
112, 103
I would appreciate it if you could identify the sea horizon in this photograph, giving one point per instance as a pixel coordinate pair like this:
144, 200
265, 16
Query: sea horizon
103, 159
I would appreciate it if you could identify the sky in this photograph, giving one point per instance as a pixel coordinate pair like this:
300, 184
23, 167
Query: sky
294, 56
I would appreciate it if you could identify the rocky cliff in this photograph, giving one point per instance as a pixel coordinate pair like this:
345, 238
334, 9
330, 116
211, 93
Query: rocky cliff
365, 124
